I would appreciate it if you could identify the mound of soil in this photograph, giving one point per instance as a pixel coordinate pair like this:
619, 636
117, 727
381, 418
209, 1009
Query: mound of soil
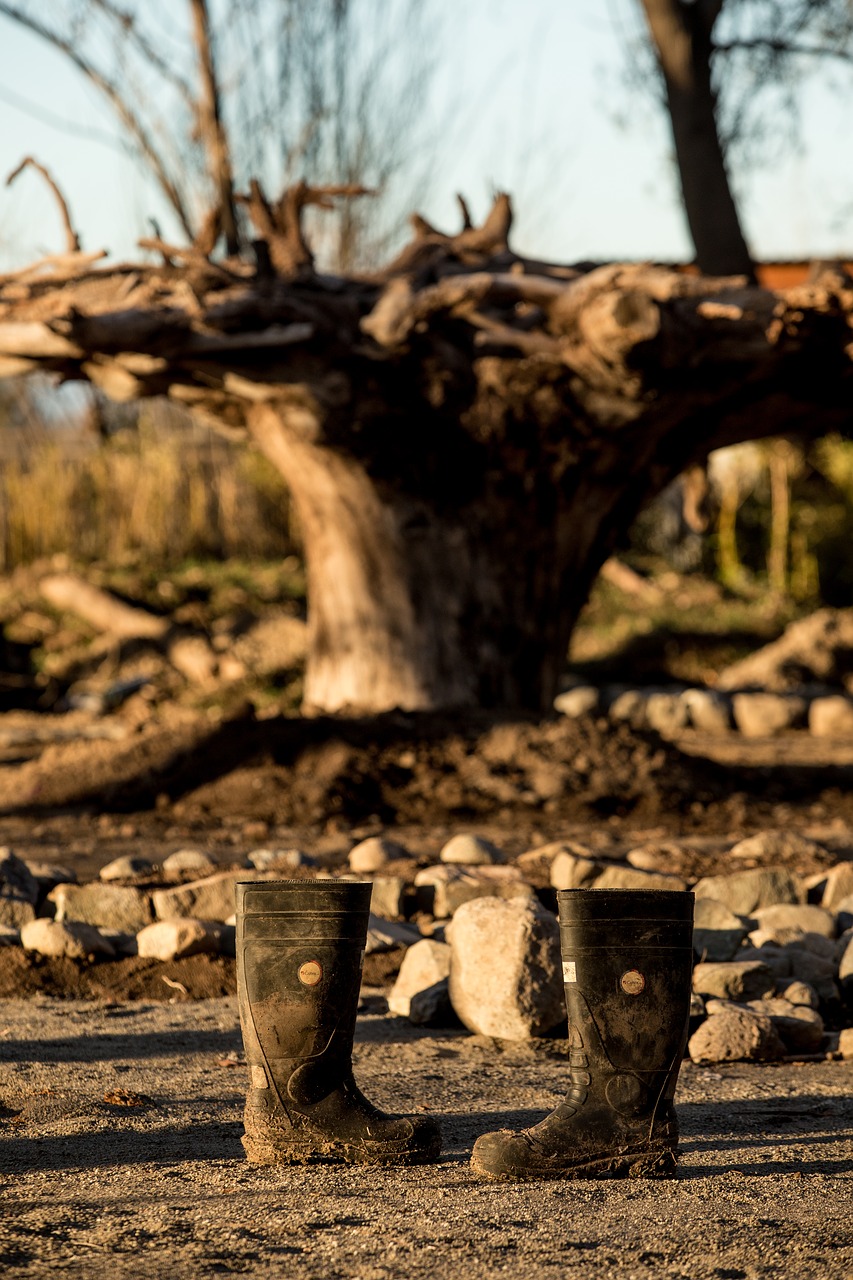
114, 981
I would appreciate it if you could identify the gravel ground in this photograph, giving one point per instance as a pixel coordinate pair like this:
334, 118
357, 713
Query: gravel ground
90, 1187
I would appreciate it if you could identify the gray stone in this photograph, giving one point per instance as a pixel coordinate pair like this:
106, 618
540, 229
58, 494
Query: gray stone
544, 855
471, 851
70, 939
818, 972
800, 1028
622, 877
443, 889
583, 700
387, 897
629, 705
279, 859
709, 712
800, 993
373, 854
49, 874
782, 845
505, 970
421, 992
187, 860
844, 912
736, 1034
655, 856
831, 717
666, 713
211, 898
112, 906
717, 931
19, 890
787, 917
126, 868
745, 892
794, 940
734, 980
763, 715
387, 935
838, 886
845, 1043
569, 871
776, 958
176, 939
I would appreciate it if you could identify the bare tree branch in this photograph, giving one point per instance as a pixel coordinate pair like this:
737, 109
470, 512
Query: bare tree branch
72, 240
212, 130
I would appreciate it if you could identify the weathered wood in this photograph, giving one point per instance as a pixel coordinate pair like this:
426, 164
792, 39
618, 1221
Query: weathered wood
72, 594
466, 433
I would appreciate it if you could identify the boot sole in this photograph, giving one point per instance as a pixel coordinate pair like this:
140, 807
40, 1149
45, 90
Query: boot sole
334, 1153
656, 1163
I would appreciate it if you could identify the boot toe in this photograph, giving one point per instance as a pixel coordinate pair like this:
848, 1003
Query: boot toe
504, 1154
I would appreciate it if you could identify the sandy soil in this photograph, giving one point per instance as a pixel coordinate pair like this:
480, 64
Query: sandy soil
120, 1156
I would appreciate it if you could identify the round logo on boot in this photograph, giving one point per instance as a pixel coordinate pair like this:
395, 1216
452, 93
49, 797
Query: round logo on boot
310, 973
632, 982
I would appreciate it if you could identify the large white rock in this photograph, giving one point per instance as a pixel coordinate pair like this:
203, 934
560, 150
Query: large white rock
421, 991
800, 1028
582, 700
505, 969
187, 860
786, 918
126, 867
619, 876
571, 871
68, 939
174, 939
838, 885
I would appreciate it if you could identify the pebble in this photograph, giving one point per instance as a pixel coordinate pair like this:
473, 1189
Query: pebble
797, 992
183, 860
175, 939
125, 868
734, 980
838, 885
388, 897
735, 1033
69, 939
583, 700
709, 712
763, 715
443, 889
373, 854
831, 717
421, 991
19, 890
744, 892
281, 859
717, 931
109, 905
569, 871
471, 851
780, 845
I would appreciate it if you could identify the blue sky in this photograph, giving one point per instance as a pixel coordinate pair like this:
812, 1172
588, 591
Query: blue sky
529, 99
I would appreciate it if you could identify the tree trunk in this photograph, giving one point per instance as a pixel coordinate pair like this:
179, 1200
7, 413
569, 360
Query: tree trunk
431, 590
681, 33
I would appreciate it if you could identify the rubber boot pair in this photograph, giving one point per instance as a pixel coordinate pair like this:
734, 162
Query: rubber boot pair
627, 960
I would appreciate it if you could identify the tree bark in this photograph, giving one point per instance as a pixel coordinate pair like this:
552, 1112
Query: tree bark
681, 33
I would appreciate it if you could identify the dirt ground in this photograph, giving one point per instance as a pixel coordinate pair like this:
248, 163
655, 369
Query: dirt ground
121, 1087
120, 1156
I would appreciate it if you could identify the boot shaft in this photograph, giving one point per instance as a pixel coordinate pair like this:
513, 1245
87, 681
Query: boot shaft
300, 946
627, 968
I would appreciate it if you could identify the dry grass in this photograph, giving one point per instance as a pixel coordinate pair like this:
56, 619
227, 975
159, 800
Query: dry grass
159, 495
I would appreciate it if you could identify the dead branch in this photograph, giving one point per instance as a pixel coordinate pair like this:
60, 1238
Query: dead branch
71, 594
280, 225
72, 240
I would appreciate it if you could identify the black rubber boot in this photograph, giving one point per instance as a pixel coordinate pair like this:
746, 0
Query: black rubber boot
300, 945
627, 966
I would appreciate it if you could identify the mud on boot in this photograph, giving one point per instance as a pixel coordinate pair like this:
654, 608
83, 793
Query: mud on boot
300, 946
627, 967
